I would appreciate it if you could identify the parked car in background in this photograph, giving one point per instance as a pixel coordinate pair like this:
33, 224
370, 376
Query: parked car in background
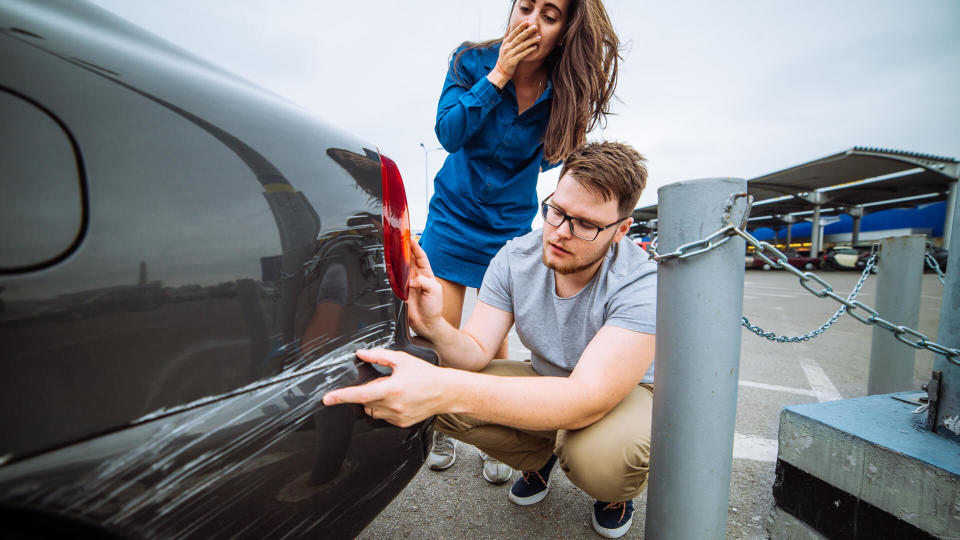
188, 265
794, 258
844, 258
940, 255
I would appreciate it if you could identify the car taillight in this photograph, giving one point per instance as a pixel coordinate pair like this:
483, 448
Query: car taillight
396, 227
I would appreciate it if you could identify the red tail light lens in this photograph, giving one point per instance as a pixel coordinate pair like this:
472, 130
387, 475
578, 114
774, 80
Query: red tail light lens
396, 227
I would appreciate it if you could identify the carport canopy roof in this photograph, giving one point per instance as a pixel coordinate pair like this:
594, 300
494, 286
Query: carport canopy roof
859, 176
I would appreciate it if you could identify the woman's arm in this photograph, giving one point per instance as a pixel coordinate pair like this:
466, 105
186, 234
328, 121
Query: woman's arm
463, 110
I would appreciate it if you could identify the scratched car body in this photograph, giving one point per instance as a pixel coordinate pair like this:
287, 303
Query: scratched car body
188, 264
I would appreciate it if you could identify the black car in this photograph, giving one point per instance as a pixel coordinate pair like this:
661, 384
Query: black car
187, 265
940, 256
844, 258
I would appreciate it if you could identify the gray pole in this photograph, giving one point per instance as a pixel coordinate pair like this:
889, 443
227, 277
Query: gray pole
948, 406
699, 310
426, 183
426, 178
815, 232
857, 214
898, 301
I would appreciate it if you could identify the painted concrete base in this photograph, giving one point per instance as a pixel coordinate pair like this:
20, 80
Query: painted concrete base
850, 467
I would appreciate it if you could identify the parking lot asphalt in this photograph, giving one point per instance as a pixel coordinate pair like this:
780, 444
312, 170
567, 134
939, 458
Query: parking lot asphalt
458, 503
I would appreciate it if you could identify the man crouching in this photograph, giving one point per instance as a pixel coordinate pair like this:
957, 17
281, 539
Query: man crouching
583, 298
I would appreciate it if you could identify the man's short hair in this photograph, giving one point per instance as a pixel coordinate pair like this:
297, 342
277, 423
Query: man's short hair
611, 169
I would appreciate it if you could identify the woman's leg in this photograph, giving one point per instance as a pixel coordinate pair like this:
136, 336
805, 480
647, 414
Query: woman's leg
526, 450
504, 351
453, 295
452, 301
454, 313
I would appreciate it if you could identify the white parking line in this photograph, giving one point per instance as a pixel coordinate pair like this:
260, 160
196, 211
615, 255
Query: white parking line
778, 388
755, 448
759, 295
821, 384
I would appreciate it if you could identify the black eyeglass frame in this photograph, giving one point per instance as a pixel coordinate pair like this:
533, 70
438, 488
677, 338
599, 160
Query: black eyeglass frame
569, 219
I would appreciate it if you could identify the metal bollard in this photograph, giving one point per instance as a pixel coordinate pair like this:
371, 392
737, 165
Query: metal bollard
898, 301
699, 309
945, 411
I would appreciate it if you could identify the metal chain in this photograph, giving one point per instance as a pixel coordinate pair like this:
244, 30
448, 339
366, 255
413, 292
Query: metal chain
823, 328
932, 263
693, 248
855, 308
713, 241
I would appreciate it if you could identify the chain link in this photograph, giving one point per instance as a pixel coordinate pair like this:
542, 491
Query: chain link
846, 303
693, 248
711, 242
932, 263
899, 331
850, 305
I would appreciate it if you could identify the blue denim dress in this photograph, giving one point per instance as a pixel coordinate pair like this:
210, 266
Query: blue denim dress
486, 191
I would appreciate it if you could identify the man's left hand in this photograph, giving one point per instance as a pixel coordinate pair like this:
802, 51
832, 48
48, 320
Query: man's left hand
412, 393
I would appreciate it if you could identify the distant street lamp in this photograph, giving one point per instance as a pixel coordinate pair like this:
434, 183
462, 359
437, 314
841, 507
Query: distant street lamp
426, 182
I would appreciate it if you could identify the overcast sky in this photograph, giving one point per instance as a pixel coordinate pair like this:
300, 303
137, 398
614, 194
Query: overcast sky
706, 88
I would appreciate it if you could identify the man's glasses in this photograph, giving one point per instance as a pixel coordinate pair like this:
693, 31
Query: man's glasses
580, 228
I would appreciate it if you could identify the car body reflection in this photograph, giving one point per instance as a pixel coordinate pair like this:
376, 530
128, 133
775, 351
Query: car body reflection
162, 376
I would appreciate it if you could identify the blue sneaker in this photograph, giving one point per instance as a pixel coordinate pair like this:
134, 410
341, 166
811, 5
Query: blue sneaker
612, 519
532, 486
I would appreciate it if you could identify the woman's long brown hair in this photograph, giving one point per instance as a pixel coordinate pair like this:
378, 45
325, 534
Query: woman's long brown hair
583, 68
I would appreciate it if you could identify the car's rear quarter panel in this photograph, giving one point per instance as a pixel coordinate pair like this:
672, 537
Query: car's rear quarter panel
164, 378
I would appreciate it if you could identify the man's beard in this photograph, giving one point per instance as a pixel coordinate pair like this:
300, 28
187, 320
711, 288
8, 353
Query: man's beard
573, 267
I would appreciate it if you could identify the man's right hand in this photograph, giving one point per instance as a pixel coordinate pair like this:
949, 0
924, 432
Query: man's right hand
425, 297
470, 349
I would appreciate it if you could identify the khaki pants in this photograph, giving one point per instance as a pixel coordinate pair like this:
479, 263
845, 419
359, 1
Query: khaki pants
608, 459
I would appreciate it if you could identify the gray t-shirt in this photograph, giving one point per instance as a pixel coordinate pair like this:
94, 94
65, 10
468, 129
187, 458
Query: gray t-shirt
555, 329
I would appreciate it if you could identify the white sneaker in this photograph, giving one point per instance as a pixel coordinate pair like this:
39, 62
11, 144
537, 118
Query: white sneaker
494, 470
444, 452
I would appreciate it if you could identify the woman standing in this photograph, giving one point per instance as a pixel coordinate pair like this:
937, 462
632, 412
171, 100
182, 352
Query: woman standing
511, 107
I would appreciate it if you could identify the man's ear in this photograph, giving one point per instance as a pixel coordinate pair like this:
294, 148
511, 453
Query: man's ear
622, 229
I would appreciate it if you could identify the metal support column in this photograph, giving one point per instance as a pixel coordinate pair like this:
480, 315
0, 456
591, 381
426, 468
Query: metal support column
947, 408
789, 220
815, 232
951, 214
700, 304
856, 213
898, 301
